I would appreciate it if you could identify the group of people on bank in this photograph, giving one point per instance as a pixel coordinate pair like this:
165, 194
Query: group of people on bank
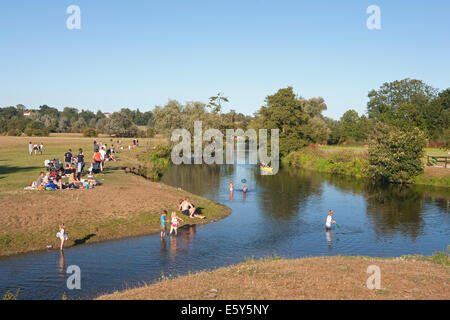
186, 208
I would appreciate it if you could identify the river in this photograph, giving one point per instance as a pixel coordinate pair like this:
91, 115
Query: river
281, 215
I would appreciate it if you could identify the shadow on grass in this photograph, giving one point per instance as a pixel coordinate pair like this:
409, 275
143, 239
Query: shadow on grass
13, 169
81, 241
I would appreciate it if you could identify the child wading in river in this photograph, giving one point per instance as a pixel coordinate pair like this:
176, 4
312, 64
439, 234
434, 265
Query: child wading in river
62, 234
175, 223
163, 224
329, 220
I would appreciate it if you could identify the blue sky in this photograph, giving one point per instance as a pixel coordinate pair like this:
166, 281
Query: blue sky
141, 53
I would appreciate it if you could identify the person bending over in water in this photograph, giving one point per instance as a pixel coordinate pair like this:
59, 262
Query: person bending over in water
329, 220
188, 209
244, 188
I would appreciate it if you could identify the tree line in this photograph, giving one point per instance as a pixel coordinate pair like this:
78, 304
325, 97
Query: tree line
18, 120
405, 104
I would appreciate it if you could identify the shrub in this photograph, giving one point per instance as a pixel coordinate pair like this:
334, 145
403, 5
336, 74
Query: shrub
156, 163
14, 132
396, 155
89, 132
151, 132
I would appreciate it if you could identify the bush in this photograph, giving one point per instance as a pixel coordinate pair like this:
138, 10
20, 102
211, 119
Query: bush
396, 155
155, 163
36, 132
89, 132
150, 132
14, 132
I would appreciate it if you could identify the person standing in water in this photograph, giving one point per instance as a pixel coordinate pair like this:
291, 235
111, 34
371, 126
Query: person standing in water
62, 235
163, 224
175, 223
329, 220
231, 186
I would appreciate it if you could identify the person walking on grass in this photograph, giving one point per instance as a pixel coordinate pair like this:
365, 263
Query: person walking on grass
329, 220
41, 148
175, 223
62, 235
163, 224
30, 148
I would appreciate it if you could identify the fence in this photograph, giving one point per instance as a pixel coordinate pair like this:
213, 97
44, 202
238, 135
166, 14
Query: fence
434, 160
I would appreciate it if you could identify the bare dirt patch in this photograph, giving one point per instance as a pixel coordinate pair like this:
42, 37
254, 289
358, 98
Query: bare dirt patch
310, 278
436, 172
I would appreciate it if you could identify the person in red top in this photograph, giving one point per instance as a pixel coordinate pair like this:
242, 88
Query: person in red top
97, 159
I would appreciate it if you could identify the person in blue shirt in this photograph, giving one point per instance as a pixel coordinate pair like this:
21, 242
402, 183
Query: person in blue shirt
163, 224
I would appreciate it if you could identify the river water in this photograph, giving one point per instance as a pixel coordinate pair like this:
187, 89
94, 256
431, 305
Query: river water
281, 215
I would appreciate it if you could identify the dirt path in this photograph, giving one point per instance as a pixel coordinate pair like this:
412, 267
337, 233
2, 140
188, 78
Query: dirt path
310, 278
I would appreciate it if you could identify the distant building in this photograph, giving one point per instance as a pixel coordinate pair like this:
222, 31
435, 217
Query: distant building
107, 115
26, 113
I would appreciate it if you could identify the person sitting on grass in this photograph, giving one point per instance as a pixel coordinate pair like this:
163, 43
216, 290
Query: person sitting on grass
109, 154
73, 180
40, 180
58, 179
188, 209
47, 178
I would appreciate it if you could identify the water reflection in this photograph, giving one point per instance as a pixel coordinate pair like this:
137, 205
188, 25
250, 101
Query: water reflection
394, 208
282, 196
62, 264
198, 179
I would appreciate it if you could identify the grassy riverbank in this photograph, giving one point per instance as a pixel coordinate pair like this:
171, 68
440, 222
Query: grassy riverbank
352, 161
342, 277
125, 205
